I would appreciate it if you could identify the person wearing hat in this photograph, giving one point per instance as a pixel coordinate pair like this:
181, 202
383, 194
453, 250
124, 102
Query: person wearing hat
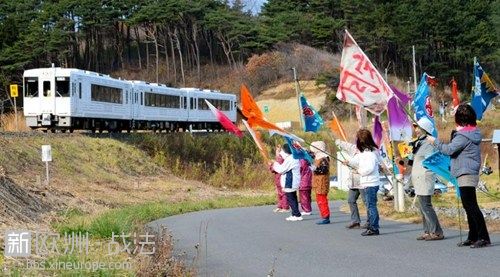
321, 179
423, 180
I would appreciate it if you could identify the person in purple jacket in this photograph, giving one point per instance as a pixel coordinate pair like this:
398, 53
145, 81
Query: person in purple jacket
305, 187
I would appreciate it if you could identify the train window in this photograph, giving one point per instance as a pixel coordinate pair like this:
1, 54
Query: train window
106, 94
31, 85
46, 88
185, 102
141, 98
80, 90
62, 86
126, 97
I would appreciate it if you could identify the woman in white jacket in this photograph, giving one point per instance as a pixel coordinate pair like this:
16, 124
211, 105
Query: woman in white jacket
355, 189
367, 164
290, 180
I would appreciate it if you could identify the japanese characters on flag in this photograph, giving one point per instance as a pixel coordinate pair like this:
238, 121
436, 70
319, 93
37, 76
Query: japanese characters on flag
360, 82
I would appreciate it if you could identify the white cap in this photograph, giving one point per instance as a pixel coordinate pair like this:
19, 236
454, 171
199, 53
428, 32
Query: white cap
426, 124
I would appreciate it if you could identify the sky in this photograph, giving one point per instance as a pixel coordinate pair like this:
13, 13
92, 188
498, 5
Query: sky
254, 5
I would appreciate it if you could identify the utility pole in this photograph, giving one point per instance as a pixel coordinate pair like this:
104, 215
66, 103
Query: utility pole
414, 69
297, 89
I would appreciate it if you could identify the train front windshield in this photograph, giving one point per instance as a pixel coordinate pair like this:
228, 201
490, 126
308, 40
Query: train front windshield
62, 86
31, 86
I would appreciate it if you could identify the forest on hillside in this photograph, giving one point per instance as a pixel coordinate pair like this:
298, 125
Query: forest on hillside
176, 38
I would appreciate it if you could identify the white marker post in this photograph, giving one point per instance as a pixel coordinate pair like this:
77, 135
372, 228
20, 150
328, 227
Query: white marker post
46, 157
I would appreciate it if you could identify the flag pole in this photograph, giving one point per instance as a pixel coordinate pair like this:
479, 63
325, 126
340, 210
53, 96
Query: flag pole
297, 89
399, 203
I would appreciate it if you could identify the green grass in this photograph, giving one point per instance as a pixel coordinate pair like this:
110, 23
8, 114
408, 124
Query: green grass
130, 218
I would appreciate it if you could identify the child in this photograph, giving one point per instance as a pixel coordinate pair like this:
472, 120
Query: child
355, 189
321, 179
465, 153
423, 181
305, 187
367, 164
290, 180
282, 205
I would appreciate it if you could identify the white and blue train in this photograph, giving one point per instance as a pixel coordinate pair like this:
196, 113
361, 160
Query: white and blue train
69, 99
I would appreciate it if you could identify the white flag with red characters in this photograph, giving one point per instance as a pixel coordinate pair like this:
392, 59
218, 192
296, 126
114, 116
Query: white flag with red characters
360, 82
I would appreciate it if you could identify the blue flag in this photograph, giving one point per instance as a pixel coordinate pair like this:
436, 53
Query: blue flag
484, 90
312, 119
422, 103
298, 152
439, 163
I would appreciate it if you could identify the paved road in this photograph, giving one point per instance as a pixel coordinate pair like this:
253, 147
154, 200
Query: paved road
255, 241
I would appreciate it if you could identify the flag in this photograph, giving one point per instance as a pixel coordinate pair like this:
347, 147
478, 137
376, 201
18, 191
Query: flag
422, 102
225, 121
337, 128
404, 149
298, 152
440, 164
378, 131
484, 91
400, 127
312, 119
454, 93
255, 117
256, 138
360, 82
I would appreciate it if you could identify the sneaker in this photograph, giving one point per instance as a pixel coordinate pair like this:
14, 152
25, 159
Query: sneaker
284, 211
467, 242
294, 218
276, 210
305, 213
324, 221
423, 236
353, 225
370, 232
365, 226
434, 236
480, 244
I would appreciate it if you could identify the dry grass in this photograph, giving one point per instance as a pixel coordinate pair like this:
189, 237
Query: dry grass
8, 122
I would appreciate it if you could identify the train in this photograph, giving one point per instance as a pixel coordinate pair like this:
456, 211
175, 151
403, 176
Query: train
68, 99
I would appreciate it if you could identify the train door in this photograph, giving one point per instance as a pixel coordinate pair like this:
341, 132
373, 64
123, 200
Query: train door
76, 94
135, 103
47, 98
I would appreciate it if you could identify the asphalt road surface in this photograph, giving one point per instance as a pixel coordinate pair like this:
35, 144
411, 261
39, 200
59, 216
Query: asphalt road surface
257, 242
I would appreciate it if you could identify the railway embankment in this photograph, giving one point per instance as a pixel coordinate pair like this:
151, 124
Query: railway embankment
89, 173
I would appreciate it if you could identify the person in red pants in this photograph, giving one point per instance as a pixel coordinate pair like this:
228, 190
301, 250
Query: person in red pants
321, 179
305, 187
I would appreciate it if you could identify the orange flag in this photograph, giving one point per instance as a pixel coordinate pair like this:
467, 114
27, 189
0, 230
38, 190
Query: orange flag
337, 128
251, 111
256, 138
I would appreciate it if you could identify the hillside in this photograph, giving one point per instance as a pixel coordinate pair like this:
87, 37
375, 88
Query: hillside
282, 104
88, 175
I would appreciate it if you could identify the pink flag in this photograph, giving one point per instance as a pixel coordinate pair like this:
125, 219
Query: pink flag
360, 82
225, 121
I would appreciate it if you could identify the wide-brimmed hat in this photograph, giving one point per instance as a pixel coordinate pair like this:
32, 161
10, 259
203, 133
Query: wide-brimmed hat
425, 124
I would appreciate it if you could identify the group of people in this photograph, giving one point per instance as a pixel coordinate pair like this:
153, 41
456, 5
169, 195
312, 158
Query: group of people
365, 163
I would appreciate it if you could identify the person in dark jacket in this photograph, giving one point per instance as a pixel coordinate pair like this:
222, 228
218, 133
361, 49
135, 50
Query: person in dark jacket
465, 153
